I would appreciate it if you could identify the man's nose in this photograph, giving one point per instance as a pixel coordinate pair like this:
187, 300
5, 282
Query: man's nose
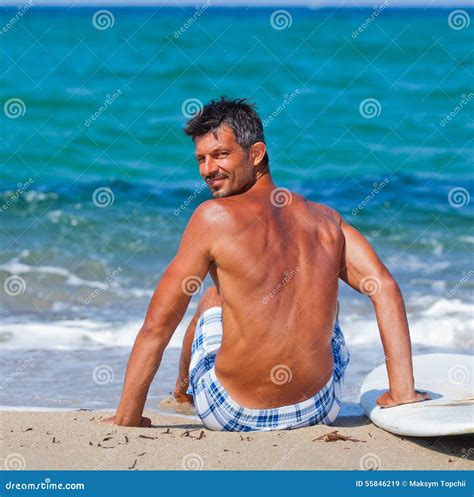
209, 167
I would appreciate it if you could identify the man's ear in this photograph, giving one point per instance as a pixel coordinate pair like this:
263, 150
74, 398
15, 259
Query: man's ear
257, 153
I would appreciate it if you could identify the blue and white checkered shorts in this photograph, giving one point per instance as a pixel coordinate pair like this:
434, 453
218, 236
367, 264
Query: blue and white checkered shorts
218, 411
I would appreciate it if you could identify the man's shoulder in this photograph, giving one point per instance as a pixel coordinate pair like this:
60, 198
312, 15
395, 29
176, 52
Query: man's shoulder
214, 212
327, 212
215, 205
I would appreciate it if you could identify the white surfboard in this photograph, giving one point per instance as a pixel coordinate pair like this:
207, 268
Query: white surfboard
448, 378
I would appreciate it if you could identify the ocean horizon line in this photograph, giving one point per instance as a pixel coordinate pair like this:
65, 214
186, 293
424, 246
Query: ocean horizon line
258, 4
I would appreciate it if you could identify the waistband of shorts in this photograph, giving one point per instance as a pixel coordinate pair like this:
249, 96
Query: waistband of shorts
217, 309
272, 410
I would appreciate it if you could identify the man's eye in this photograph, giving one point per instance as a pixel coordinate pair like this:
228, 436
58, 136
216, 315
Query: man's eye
223, 154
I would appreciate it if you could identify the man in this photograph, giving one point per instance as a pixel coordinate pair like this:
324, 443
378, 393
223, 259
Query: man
264, 350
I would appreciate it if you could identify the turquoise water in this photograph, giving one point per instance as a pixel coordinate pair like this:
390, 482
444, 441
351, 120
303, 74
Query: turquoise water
105, 109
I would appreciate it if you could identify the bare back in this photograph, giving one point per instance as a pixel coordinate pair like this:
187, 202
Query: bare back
277, 271
276, 268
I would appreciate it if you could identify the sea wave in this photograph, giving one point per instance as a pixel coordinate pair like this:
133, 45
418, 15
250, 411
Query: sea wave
75, 335
440, 323
15, 267
433, 322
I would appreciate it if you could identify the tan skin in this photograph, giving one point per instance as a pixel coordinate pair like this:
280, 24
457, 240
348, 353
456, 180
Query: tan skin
250, 245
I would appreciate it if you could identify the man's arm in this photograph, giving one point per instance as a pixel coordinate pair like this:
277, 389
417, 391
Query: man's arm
362, 269
167, 307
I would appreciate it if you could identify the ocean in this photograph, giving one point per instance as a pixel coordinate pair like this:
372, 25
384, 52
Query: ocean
368, 111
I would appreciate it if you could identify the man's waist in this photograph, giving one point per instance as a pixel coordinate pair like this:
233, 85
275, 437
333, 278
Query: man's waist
263, 385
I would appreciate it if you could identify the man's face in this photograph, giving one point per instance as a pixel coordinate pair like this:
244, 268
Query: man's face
223, 163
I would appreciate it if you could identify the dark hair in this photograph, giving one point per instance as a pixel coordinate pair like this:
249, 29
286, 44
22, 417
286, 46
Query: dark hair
239, 114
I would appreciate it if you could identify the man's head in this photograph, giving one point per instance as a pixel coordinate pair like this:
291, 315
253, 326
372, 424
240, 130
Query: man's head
230, 145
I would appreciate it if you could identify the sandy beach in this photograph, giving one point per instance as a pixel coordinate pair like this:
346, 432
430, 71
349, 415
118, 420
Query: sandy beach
77, 440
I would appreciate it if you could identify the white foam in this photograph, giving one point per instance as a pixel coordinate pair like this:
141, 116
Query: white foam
443, 323
444, 307
38, 409
16, 267
76, 334
433, 322
426, 282
411, 263
34, 196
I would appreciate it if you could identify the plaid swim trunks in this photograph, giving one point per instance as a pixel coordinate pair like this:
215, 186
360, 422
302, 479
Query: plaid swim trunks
218, 411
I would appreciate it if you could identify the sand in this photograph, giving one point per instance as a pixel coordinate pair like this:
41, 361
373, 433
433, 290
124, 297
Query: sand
77, 440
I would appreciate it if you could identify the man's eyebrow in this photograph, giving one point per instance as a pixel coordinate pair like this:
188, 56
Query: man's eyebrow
219, 148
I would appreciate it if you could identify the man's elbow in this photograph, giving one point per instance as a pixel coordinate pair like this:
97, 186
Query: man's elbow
153, 333
380, 286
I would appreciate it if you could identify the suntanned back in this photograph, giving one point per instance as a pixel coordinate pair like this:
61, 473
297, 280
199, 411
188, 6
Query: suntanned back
277, 268
276, 259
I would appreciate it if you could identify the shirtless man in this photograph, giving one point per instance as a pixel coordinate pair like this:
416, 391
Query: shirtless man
268, 352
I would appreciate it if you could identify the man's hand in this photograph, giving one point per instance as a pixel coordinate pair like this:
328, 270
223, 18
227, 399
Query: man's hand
362, 269
167, 307
144, 422
390, 400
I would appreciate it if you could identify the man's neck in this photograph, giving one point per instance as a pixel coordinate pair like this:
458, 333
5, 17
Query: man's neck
262, 184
